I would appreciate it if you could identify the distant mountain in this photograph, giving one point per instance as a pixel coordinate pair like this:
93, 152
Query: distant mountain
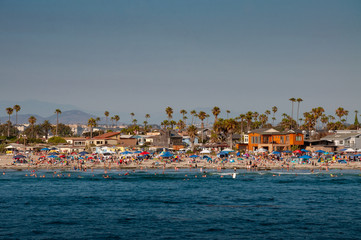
66, 117
30, 106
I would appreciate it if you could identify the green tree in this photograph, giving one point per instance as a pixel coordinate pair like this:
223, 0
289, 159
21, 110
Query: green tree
46, 127
56, 140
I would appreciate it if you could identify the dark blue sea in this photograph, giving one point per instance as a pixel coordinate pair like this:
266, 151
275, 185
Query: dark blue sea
187, 204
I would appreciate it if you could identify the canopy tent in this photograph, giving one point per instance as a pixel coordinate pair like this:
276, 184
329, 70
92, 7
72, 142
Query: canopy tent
205, 151
227, 150
349, 150
262, 150
194, 156
320, 151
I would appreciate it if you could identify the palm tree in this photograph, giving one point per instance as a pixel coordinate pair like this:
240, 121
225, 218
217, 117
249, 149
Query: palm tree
249, 117
274, 110
356, 123
228, 112
193, 113
106, 113
135, 121
32, 121
216, 111
116, 119
340, 112
299, 100
346, 114
202, 116
145, 126
132, 116
181, 125
169, 112
293, 100
231, 125
46, 126
147, 116
9, 111
92, 123
192, 133
17, 108
183, 112
57, 111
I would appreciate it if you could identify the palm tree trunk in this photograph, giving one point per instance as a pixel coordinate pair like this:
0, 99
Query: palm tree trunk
9, 127
57, 123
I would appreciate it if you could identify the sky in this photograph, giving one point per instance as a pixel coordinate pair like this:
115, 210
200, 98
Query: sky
144, 55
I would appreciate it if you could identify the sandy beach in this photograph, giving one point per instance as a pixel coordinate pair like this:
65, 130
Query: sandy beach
7, 162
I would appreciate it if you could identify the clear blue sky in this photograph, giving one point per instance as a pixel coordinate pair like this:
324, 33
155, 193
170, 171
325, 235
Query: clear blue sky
144, 55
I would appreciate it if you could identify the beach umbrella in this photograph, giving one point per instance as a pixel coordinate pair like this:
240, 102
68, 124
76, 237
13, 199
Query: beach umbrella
52, 156
62, 156
319, 151
45, 149
304, 150
83, 152
297, 151
166, 154
305, 157
107, 154
275, 152
137, 152
145, 153
287, 151
19, 156
358, 150
194, 156
349, 150
126, 152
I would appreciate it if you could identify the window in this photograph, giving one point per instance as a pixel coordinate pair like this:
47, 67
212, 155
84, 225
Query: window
341, 141
298, 138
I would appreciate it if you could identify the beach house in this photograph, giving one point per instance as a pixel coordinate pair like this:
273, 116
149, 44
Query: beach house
274, 140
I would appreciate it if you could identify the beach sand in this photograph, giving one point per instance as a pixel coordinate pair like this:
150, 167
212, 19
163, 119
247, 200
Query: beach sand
6, 162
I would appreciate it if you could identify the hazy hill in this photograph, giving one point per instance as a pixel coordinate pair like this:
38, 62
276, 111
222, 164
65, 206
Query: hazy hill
66, 117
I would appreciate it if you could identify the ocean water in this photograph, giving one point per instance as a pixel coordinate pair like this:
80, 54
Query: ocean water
179, 205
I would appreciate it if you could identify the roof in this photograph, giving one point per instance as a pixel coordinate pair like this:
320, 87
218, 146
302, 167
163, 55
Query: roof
272, 131
340, 136
107, 135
